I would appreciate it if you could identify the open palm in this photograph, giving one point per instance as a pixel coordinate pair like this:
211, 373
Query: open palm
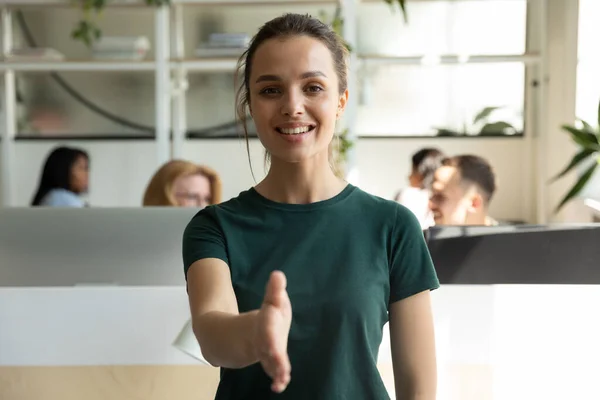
272, 331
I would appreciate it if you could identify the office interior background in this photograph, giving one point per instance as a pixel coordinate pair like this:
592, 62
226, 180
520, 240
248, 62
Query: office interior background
414, 84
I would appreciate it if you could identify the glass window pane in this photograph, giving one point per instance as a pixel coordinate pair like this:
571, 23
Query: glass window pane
444, 27
417, 100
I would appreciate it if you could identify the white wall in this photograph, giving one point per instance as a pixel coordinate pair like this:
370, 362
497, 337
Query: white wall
120, 170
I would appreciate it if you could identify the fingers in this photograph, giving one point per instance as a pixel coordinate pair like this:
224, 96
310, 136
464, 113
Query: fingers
273, 332
275, 293
278, 368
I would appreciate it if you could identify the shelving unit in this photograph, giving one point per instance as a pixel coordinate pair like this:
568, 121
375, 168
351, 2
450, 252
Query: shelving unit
171, 67
78, 66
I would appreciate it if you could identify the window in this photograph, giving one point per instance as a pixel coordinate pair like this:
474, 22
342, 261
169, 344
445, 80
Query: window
416, 100
588, 76
407, 91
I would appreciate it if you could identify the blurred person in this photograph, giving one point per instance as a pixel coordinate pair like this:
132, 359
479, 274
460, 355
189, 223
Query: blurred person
462, 190
180, 183
65, 176
416, 196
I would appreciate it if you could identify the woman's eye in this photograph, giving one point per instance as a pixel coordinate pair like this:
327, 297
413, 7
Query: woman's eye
315, 88
269, 91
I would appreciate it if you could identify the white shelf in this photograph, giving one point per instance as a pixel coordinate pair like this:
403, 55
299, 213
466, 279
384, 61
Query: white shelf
252, 2
191, 65
64, 3
531, 58
129, 3
47, 66
226, 64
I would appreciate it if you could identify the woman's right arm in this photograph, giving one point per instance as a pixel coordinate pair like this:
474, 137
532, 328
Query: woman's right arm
223, 333
233, 340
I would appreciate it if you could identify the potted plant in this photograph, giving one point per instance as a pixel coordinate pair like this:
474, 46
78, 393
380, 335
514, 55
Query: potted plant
340, 153
87, 30
587, 138
483, 125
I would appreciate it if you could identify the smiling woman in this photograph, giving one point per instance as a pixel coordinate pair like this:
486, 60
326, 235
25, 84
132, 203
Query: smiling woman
291, 283
320, 68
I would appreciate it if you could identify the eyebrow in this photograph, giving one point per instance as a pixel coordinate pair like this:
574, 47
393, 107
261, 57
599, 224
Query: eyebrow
306, 75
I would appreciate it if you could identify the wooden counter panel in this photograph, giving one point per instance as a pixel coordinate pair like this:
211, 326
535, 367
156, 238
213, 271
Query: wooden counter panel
109, 383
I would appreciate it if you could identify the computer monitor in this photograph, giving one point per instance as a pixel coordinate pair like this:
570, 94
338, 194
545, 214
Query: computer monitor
92, 246
526, 254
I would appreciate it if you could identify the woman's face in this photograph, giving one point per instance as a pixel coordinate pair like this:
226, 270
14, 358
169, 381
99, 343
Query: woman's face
294, 97
192, 191
80, 175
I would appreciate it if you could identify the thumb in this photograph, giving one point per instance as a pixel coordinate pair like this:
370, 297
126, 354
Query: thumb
275, 292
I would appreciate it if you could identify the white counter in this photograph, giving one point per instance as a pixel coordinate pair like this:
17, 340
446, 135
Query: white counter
531, 342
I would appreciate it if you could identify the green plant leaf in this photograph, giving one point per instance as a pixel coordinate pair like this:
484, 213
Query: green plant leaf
158, 2
586, 127
495, 127
576, 160
578, 187
484, 114
447, 132
98, 4
402, 4
583, 138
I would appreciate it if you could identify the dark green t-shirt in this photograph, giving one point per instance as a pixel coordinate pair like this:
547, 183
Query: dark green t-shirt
346, 260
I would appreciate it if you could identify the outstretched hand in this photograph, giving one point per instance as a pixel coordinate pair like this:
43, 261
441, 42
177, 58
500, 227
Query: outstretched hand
272, 331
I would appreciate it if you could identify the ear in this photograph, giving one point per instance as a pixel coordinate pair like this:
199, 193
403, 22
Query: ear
476, 201
343, 100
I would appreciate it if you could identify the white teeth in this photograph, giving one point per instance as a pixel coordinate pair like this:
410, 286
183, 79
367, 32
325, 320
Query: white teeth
294, 131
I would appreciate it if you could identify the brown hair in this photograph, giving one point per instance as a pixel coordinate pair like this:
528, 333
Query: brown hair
158, 192
475, 170
283, 27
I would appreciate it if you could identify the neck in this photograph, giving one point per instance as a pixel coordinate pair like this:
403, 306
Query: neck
479, 218
304, 182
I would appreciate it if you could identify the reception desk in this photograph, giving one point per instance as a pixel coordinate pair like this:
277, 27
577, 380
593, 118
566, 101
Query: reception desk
91, 302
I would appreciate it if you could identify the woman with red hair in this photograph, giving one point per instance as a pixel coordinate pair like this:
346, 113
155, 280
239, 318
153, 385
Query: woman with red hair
180, 183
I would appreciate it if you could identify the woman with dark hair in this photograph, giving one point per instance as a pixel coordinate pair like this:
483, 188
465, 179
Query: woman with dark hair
64, 178
292, 281
416, 197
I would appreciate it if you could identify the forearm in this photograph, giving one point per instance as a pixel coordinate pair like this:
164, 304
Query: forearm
412, 388
226, 339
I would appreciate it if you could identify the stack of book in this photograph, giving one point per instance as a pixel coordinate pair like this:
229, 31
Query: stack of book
134, 48
224, 45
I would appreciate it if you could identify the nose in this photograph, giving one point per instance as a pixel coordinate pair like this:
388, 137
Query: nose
431, 205
293, 104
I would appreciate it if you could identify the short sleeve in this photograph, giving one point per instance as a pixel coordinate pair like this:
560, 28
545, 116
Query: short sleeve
411, 267
203, 238
61, 198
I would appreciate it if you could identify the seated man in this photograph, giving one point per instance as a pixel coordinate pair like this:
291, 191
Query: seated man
461, 192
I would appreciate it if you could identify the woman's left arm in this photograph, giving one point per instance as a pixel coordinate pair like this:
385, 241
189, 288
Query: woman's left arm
413, 347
